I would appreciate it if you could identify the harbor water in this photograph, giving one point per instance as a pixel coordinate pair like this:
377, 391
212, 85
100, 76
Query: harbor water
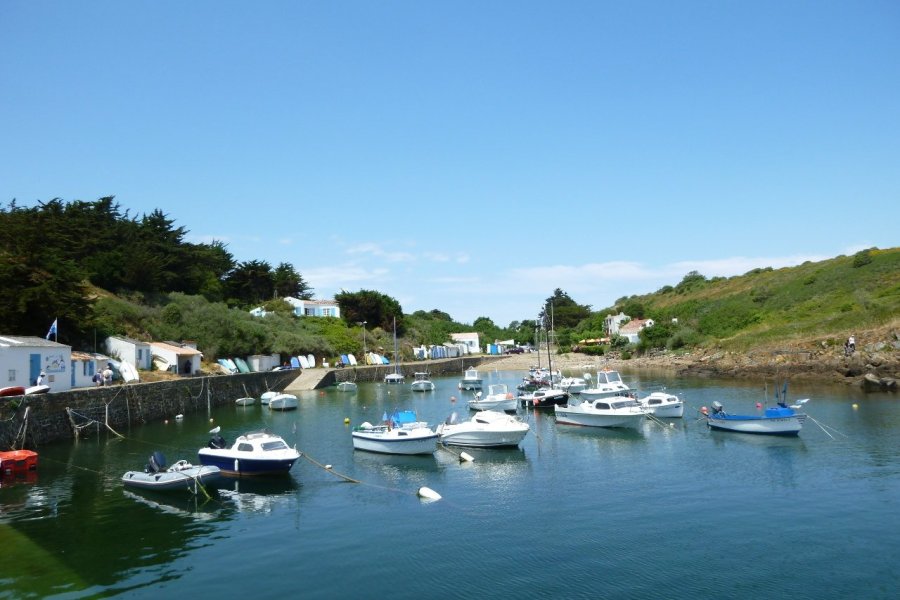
672, 510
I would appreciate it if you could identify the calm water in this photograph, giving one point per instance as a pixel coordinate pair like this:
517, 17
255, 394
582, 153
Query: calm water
666, 512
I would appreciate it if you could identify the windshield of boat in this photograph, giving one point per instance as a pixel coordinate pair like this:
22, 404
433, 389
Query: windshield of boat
613, 377
276, 445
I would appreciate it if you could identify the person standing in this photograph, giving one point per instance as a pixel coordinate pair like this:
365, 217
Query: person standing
40, 379
851, 344
107, 375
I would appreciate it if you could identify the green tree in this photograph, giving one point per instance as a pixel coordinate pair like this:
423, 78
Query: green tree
288, 282
564, 311
250, 283
377, 309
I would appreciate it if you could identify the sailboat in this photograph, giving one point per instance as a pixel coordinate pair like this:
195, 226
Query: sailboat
396, 376
552, 395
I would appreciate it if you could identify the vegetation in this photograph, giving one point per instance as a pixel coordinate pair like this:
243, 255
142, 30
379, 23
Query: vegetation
103, 272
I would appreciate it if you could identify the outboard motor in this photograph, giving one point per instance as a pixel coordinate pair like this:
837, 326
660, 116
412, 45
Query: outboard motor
156, 463
217, 441
718, 408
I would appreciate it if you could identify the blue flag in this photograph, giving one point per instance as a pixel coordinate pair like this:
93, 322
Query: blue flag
52, 330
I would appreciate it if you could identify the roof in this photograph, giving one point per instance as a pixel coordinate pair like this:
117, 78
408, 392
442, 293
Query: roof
130, 340
463, 337
183, 351
19, 341
634, 325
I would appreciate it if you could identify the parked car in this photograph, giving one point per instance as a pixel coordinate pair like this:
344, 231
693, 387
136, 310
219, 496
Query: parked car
514, 350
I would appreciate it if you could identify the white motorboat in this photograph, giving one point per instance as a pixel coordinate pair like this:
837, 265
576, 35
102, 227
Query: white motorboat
486, 429
401, 433
394, 378
498, 398
775, 420
284, 402
471, 380
618, 411
609, 383
663, 405
180, 476
422, 383
254, 453
347, 386
267, 396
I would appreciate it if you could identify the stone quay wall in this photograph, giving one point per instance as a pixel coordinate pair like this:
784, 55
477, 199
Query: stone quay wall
31, 421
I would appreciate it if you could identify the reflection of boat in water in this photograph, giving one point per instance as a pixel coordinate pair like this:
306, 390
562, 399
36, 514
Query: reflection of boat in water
257, 494
193, 506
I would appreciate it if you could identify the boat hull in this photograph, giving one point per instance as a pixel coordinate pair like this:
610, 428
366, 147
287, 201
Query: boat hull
420, 386
789, 425
284, 402
500, 431
546, 399
502, 404
576, 415
238, 466
400, 443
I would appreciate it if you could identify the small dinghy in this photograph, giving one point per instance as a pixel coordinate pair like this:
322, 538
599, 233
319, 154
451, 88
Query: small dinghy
180, 476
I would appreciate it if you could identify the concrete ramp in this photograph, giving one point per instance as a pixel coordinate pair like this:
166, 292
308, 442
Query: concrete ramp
310, 379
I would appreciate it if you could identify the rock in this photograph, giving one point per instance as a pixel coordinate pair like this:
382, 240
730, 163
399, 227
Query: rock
871, 383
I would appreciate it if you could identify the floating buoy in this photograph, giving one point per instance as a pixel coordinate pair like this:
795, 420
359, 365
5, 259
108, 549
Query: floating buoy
465, 456
758, 405
210, 420
346, 420
327, 466
855, 406
166, 421
452, 398
428, 493
180, 416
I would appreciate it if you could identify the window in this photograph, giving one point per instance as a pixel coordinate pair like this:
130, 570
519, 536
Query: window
12, 375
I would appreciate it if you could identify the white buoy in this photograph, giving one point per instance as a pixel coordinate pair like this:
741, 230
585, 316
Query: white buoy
179, 417
428, 493
465, 456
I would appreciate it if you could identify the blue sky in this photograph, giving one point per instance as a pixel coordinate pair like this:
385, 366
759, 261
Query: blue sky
469, 156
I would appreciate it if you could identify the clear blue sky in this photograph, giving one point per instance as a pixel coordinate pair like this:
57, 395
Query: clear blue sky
469, 156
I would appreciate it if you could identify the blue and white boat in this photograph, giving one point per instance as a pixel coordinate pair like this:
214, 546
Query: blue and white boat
254, 453
775, 420
401, 433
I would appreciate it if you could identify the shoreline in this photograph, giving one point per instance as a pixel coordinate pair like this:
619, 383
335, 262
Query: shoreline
874, 369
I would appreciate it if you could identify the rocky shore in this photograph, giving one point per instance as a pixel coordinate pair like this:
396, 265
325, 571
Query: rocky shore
874, 366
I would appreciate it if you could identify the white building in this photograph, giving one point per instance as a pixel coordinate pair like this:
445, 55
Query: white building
134, 352
84, 366
469, 339
179, 359
613, 322
23, 358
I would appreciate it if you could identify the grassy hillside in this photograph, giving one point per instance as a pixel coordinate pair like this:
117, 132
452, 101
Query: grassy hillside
823, 301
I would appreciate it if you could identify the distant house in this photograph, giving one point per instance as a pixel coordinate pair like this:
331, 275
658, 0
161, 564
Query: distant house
178, 358
306, 308
469, 339
23, 358
632, 329
134, 352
